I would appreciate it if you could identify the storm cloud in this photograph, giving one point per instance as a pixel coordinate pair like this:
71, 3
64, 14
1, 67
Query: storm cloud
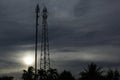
80, 31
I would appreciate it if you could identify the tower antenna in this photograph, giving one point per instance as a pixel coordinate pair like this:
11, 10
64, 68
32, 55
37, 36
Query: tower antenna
37, 11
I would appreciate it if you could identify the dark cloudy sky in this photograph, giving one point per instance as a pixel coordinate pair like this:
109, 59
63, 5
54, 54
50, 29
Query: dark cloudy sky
80, 31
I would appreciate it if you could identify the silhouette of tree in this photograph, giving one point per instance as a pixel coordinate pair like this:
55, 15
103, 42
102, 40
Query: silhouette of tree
66, 75
7, 78
24, 76
116, 75
52, 74
29, 74
93, 72
112, 75
42, 75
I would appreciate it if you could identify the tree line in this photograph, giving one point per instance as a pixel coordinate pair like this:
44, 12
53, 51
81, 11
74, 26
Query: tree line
7, 78
91, 72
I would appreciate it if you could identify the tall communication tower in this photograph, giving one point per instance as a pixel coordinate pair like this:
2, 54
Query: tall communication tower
37, 11
45, 55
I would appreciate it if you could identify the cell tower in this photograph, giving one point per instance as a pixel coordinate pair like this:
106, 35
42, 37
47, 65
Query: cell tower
37, 11
45, 55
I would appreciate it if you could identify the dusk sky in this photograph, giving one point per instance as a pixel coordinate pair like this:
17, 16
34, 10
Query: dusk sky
80, 32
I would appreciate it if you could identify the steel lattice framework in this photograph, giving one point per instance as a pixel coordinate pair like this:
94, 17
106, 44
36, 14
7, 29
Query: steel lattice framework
45, 55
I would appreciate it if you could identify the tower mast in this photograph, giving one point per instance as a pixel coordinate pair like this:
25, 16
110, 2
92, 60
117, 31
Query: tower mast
45, 55
36, 38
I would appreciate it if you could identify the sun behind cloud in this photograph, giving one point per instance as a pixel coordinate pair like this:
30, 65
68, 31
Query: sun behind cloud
28, 60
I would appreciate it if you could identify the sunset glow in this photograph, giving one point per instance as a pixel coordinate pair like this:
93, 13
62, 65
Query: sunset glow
28, 60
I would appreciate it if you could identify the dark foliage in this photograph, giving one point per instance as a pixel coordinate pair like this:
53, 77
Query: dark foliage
91, 72
50, 74
112, 75
66, 75
42, 75
116, 75
7, 78
53, 74
29, 74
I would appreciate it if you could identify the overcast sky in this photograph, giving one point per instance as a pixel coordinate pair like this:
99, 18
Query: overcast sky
80, 32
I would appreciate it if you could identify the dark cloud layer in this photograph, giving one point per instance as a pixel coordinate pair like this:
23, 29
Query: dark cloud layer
81, 30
